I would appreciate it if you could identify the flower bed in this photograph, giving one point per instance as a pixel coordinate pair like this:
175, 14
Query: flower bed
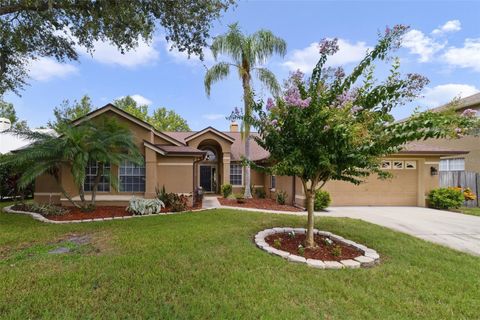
267, 204
333, 252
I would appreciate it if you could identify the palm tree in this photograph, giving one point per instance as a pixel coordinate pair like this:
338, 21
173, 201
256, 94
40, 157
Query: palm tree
248, 54
103, 141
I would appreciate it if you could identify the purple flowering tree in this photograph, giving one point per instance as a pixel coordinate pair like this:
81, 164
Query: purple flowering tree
333, 126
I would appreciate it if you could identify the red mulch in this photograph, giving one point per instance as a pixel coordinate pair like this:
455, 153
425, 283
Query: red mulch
322, 252
99, 212
267, 204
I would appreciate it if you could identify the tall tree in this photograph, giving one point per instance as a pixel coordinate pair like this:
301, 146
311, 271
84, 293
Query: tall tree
162, 119
333, 126
44, 28
7, 110
248, 53
68, 111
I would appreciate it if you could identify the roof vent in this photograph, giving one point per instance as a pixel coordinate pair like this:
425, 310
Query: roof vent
5, 124
233, 127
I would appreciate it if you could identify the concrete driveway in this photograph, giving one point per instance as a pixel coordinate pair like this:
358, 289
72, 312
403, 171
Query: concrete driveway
455, 230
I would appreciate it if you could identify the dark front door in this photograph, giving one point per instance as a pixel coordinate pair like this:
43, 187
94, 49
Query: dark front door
206, 178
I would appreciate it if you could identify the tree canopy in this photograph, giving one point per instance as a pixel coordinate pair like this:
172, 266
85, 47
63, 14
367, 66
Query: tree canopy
68, 111
44, 28
333, 126
7, 110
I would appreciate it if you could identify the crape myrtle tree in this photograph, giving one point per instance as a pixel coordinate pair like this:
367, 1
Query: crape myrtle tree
102, 141
333, 126
30, 29
248, 54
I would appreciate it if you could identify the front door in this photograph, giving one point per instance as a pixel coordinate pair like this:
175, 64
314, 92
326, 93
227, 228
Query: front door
208, 180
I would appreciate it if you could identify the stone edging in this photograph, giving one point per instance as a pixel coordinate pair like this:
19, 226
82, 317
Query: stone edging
369, 259
41, 218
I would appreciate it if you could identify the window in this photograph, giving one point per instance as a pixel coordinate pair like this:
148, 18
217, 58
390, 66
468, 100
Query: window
210, 156
90, 174
386, 164
273, 182
411, 165
397, 165
235, 174
452, 164
132, 177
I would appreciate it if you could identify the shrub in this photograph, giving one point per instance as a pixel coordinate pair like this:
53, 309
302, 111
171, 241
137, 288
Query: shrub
468, 194
260, 193
322, 200
178, 203
277, 243
336, 251
240, 198
281, 197
226, 190
44, 209
446, 198
139, 206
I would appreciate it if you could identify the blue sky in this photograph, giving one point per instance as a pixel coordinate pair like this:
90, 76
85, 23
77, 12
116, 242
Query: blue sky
443, 44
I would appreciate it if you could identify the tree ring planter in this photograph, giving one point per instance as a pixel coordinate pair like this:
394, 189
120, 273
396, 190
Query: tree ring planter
367, 257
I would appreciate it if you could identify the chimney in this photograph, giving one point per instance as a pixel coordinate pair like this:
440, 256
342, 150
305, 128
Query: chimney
233, 127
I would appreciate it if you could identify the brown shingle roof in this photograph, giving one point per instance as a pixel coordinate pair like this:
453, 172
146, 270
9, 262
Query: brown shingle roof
418, 147
470, 101
238, 146
179, 149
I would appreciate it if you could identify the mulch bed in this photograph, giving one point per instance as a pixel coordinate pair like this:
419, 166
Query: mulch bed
322, 252
267, 204
99, 212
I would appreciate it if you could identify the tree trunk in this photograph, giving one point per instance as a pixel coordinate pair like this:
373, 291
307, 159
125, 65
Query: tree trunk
246, 127
309, 240
96, 182
65, 194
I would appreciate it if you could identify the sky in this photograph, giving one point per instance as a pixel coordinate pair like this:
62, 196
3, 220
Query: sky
443, 44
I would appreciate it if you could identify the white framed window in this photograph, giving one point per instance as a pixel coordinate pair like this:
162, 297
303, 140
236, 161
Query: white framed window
131, 177
273, 182
236, 174
457, 164
397, 165
411, 165
90, 174
386, 165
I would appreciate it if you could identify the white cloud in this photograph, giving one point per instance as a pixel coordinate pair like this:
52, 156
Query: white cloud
141, 100
107, 53
43, 69
444, 93
467, 56
213, 116
449, 26
306, 59
420, 44
182, 56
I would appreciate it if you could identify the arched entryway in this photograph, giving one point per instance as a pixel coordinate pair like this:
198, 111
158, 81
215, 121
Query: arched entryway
209, 169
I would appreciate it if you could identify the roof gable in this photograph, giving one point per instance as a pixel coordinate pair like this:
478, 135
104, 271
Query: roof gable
211, 130
128, 116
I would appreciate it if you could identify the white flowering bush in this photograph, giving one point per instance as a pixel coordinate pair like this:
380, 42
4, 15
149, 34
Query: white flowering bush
142, 207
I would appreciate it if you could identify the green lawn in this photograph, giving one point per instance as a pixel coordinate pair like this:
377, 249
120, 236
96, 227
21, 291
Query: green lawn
470, 211
204, 265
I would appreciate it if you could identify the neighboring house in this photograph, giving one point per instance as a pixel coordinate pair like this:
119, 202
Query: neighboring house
466, 162
10, 141
183, 161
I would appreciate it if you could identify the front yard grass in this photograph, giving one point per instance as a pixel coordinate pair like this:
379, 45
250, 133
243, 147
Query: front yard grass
204, 265
470, 211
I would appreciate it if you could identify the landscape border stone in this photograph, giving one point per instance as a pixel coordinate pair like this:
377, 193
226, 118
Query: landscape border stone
369, 258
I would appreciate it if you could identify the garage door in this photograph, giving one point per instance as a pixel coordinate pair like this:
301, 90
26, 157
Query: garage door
399, 191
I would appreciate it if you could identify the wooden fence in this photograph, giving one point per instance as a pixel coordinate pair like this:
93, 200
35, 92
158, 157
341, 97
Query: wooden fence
464, 179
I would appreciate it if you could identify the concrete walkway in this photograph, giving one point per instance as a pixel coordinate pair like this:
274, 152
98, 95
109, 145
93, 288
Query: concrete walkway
454, 230
210, 202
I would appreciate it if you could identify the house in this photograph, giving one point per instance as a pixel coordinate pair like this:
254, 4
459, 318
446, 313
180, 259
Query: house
183, 161
465, 162
10, 141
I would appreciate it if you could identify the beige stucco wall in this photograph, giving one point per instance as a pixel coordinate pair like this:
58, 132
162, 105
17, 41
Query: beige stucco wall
469, 143
175, 173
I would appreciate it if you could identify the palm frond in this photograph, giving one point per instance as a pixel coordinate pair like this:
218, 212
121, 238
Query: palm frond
264, 44
230, 43
216, 73
268, 79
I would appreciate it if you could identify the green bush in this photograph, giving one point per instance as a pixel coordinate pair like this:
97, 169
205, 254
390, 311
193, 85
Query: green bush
446, 198
322, 200
173, 201
260, 193
226, 190
281, 197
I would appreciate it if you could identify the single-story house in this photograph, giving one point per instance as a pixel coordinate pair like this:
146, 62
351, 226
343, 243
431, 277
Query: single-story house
183, 161
465, 162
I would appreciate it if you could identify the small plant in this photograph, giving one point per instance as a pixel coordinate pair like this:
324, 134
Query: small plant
446, 198
328, 241
260, 193
139, 206
291, 234
301, 250
469, 195
240, 198
322, 200
336, 251
277, 243
46, 209
281, 197
226, 190
179, 203
232, 197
